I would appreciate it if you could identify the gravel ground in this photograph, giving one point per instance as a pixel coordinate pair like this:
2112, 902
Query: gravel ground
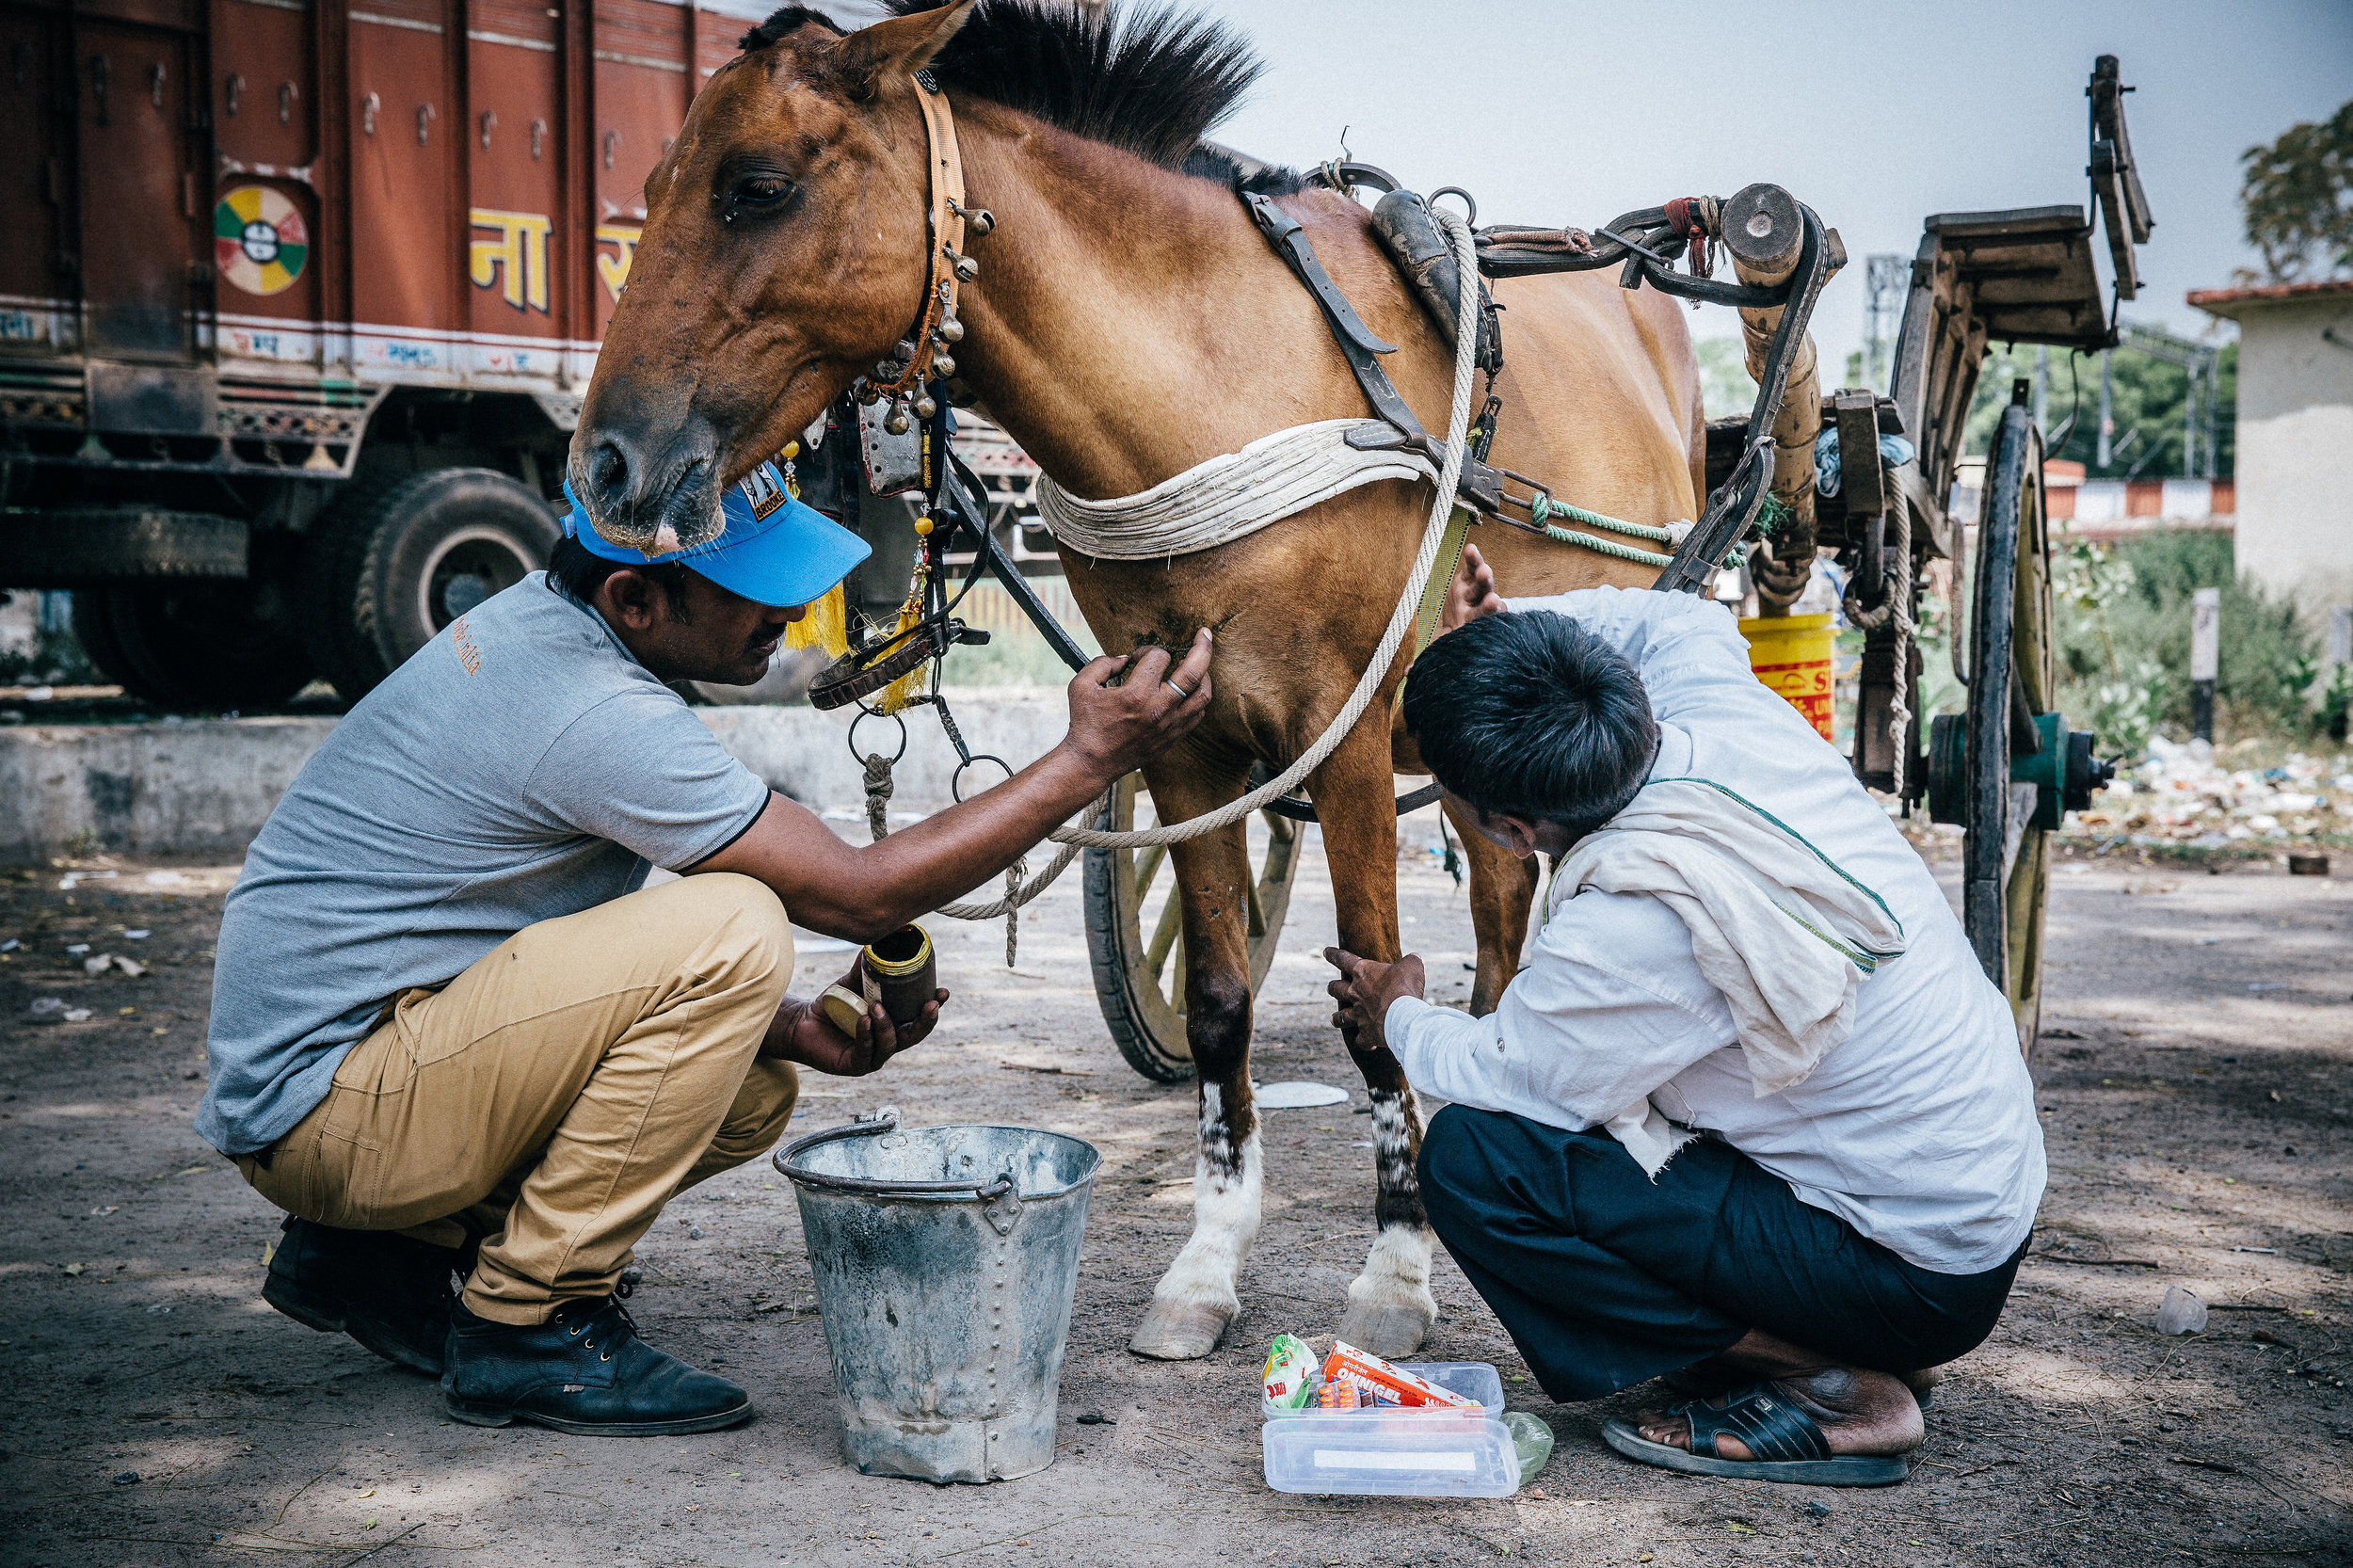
2193, 1073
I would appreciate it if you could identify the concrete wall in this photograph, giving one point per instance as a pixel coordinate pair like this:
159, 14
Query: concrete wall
2295, 448
206, 787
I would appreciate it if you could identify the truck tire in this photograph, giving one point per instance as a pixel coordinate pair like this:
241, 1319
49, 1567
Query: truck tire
390, 570
217, 645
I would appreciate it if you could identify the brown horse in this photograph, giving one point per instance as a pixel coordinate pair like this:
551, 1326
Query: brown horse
1128, 321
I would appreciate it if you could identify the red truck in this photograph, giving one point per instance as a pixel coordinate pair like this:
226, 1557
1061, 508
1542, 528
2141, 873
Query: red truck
298, 302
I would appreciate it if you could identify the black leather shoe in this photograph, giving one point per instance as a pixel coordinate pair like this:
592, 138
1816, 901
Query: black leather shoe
584, 1370
392, 1293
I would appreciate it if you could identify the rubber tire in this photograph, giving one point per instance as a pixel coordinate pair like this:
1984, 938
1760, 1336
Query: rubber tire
93, 628
1142, 1023
371, 557
2010, 631
209, 645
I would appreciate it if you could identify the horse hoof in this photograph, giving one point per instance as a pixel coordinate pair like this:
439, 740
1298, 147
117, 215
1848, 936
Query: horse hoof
1388, 1329
1180, 1330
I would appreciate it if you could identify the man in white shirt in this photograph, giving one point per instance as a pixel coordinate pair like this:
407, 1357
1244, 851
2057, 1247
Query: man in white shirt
1654, 1160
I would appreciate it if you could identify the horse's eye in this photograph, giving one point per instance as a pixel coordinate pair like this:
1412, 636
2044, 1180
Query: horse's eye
759, 191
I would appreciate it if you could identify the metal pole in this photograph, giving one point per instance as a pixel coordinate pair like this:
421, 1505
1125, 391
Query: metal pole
2205, 643
2107, 409
2042, 389
2212, 399
2189, 422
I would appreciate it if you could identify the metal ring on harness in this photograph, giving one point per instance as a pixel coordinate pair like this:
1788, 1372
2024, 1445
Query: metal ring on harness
1469, 201
955, 779
864, 713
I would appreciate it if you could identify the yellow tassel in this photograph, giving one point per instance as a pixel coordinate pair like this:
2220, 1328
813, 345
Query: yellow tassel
825, 624
909, 686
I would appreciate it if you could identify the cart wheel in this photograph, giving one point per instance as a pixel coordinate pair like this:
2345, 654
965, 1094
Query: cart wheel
1141, 981
2013, 675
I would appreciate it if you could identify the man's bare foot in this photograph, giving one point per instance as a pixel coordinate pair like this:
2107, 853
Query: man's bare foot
1860, 1413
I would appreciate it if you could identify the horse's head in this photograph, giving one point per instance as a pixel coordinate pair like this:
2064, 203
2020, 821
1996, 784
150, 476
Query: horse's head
784, 253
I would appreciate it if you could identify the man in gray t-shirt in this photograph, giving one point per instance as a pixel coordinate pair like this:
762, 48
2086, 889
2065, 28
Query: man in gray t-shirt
452, 1030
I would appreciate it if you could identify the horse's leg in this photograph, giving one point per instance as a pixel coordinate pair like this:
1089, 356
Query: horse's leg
1195, 1299
1389, 1304
1501, 885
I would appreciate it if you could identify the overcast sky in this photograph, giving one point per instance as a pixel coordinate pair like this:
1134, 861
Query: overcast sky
1876, 116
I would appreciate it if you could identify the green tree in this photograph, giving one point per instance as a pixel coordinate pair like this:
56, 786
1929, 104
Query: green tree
2146, 395
2123, 635
2298, 200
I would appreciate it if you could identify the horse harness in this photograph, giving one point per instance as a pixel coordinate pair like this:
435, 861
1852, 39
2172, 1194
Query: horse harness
904, 428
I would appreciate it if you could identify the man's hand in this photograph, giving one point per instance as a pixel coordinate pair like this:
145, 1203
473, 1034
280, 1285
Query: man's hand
1123, 712
1365, 990
1471, 595
804, 1035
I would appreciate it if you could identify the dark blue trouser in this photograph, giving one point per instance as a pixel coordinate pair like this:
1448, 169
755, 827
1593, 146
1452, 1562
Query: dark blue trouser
1605, 1278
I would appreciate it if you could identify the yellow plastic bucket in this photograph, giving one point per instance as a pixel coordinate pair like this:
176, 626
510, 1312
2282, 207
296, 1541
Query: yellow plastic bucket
1792, 655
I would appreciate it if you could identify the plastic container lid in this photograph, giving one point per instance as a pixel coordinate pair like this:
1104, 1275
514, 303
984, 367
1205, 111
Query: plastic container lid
1389, 1454
1473, 1380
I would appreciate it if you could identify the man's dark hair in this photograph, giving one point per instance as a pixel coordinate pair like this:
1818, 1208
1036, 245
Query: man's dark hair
581, 573
1531, 715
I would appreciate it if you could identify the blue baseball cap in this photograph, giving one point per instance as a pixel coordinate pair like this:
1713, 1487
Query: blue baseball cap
770, 547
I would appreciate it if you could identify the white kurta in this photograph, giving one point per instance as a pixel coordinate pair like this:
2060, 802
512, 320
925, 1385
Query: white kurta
1919, 1129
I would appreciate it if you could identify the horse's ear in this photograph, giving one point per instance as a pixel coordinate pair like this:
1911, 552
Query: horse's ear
899, 47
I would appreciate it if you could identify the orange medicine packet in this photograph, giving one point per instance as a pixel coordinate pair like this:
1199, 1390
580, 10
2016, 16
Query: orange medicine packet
1348, 1363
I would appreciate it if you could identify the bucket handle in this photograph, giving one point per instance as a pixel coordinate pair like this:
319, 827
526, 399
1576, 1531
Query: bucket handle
1001, 1198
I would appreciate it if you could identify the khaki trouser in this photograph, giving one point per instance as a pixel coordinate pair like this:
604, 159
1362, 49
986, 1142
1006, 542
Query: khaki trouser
552, 1098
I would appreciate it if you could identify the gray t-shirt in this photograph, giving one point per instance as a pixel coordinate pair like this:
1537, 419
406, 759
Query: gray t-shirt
520, 767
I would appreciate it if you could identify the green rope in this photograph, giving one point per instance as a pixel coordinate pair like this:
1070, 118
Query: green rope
1545, 507
1609, 547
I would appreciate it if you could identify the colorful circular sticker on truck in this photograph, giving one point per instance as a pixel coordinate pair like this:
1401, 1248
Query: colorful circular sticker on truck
259, 240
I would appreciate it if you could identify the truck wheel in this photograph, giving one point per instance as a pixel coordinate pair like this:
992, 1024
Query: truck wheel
206, 645
388, 571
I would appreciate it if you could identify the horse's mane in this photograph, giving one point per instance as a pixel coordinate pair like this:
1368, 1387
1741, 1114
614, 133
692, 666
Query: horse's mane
1151, 81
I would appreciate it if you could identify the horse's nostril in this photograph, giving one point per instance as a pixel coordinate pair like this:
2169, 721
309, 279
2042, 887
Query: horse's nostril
608, 472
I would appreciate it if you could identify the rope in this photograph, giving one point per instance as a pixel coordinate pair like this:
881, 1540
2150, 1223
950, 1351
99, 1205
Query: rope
1229, 496
1544, 508
1897, 576
1609, 547
878, 787
1401, 621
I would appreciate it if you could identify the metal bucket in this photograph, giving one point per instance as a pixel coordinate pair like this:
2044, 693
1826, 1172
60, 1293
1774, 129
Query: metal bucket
946, 1258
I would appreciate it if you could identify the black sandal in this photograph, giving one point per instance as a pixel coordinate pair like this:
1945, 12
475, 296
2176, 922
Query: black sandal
1787, 1444
1701, 1382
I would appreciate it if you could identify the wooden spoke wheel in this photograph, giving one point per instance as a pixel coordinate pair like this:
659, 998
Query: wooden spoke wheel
1136, 940
1983, 764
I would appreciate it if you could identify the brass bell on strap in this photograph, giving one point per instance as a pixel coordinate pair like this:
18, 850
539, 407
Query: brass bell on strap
924, 407
943, 364
978, 219
949, 330
898, 424
965, 268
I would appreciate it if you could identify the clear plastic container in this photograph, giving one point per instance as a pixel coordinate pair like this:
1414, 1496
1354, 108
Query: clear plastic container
1402, 1451
1387, 1454
1473, 1380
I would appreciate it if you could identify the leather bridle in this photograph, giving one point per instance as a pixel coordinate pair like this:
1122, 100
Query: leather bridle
938, 328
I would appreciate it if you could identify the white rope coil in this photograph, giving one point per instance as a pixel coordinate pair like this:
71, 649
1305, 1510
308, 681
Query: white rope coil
1227, 497
1400, 621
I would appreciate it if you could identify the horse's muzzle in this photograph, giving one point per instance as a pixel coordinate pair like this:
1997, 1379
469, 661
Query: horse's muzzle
634, 495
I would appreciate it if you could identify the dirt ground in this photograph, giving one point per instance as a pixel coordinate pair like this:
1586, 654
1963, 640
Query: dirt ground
2194, 1074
